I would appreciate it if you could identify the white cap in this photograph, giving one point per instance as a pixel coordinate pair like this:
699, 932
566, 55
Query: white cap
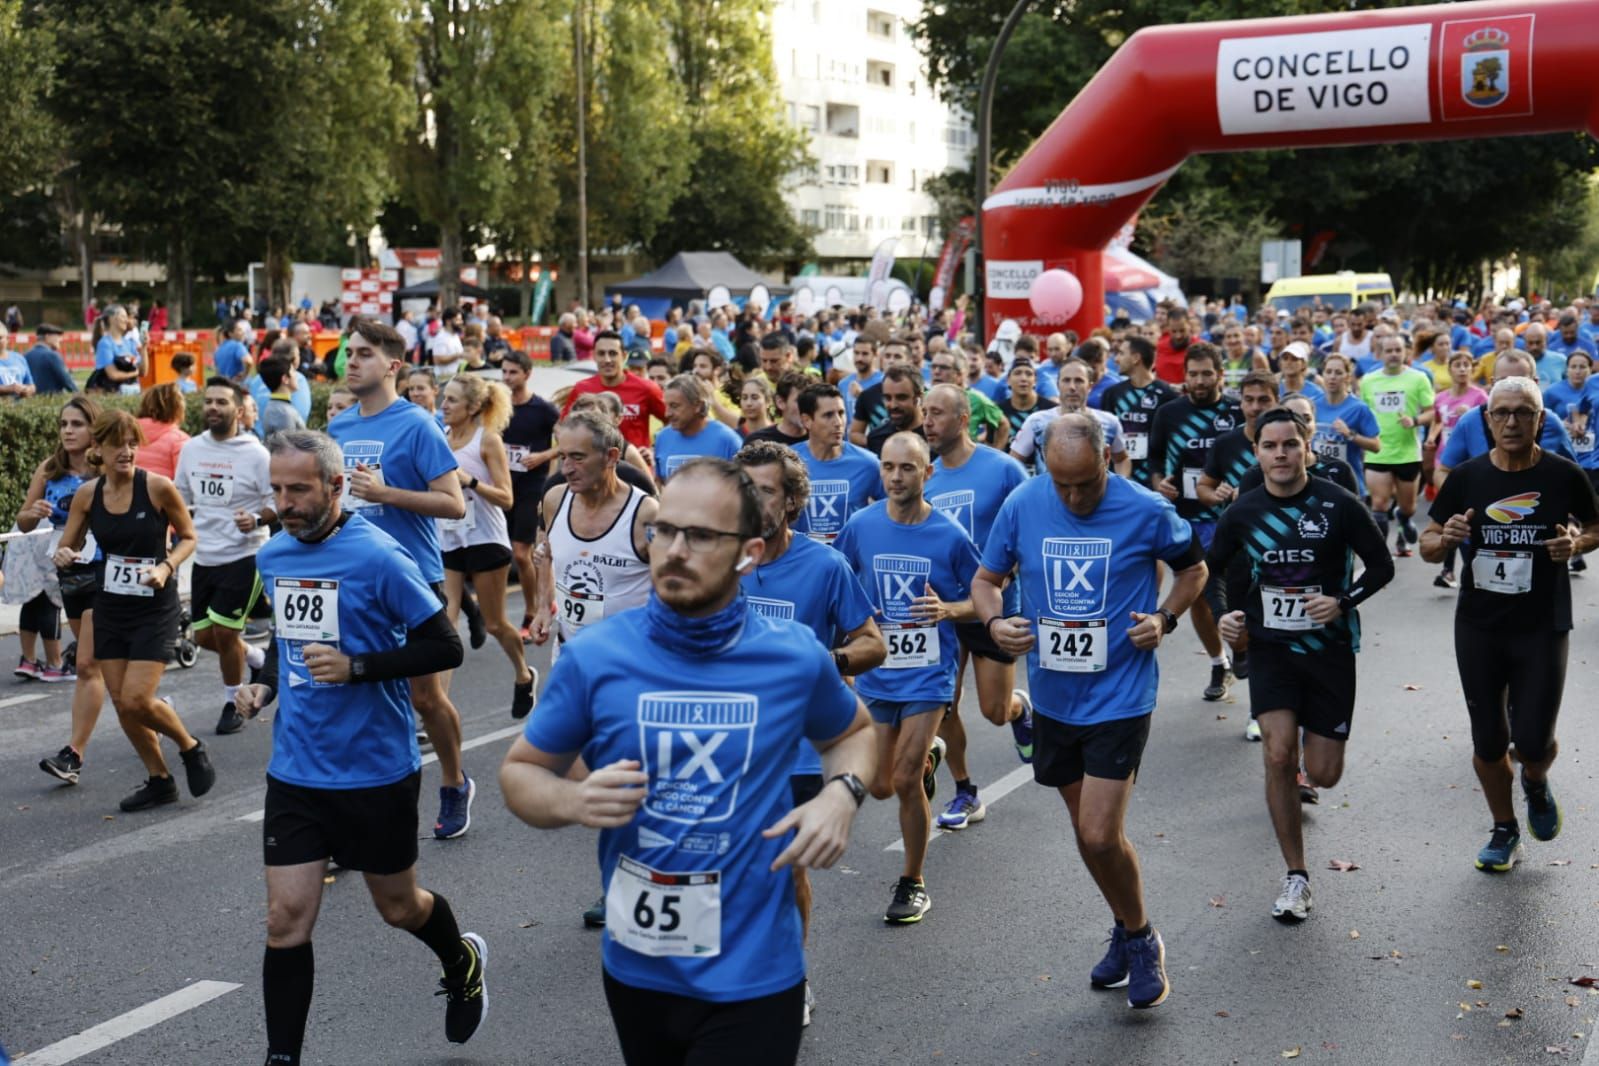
1299, 349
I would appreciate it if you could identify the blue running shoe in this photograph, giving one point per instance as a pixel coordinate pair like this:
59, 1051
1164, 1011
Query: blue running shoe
1543, 810
1111, 971
1146, 971
455, 810
1022, 728
1499, 854
962, 811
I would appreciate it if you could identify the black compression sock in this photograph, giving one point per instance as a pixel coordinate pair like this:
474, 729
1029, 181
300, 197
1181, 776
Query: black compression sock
1512, 825
441, 934
1139, 934
965, 785
1534, 788
287, 977
1302, 873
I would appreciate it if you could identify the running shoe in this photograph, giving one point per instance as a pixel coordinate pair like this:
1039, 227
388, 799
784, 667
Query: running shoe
1111, 971
1501, 851
1221, 679
962, 811
65, 764
1445, 580
1021, 729
522, 698
27, 670
55, 675
198, 769
1252, 731
455, 810
1241, 665
1408, 529
254, 630
475, 633
935, 759
69, 660
1578, 565
910, 902
810, 1005
468, 996
423, 742
1308, 792
1402, 551
1146, 971
153, 793
231, 721
1293, 903
1543, 810
594, 917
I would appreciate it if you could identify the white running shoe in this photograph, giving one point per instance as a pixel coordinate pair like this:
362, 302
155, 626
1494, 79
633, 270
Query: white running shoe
1252, 731
810, 1005
1293, 905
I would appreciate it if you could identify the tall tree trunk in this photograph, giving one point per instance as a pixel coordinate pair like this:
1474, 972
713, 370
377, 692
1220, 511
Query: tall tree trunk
80, 245
279, 276
450, 239
177, 294
527, 287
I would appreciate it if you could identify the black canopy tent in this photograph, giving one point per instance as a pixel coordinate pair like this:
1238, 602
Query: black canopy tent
684, 277
429, 290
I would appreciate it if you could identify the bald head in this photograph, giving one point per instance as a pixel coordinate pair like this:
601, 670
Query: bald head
907, 447
1077, 460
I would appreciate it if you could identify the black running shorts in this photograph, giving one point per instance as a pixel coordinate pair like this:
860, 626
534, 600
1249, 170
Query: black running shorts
368, 829
1063, 754
1319, 688
477, 558
1400, 471
224, 595
1513, 682
975, 638
523, 517
659, 1028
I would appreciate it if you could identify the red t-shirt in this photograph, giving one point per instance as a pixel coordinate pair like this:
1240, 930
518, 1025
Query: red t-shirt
1169, 361
640, 398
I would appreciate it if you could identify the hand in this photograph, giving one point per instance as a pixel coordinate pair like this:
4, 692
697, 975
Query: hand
1146, 630
928, 607
1231, 625
1407, 421
245, 521
1341, 427
64, 557
1457, 529
1164, 486
327, 664
250, 699
1323, 609
1563, 545
1014, 635
41, 509
1225, 492
539, 629
527, 461
150, 578
610, 796
366, 485
821, 830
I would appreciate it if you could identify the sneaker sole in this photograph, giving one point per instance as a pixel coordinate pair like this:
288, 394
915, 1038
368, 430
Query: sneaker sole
908, 921
1560, 821
1164, 992
971, 819
162, 802
1289, 917
1499, 868
60, 775
483, 973
1107, 987
225, 730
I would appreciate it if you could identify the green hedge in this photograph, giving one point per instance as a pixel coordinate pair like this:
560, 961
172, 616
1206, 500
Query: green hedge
28, 434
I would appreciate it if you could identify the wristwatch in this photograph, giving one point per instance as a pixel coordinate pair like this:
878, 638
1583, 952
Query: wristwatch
1170, 617
840, 661
853, 783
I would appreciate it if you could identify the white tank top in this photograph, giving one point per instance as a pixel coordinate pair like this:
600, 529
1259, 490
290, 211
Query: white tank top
597, 578
483, 522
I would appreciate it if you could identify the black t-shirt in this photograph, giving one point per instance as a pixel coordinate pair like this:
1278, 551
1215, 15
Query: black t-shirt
879, 436
1299, 546
1135, 409
531, 429
1016, 418
1335, 470
1180, 439
1509, 581
775, 433
1231, 458
870, 410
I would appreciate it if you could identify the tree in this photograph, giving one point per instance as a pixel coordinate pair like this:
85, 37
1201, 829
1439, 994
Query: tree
32, 153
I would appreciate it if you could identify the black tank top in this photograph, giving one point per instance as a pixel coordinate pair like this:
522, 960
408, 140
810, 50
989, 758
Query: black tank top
140, 532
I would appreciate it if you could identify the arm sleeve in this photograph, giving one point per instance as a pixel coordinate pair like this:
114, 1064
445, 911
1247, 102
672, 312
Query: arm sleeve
1157, 444
1176, 544
1364, 423
1366, 540
1223, 546
430, 648
432, 453
851, 608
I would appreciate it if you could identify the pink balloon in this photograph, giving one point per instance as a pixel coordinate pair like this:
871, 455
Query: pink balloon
1055, 295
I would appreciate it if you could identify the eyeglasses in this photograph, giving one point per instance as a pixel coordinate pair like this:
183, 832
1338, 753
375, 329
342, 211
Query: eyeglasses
1519, 414
700, 539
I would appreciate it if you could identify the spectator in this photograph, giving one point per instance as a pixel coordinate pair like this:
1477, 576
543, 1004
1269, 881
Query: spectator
583, 335
562, 348
158, 317
116, 357
48, 369
183, 366
161, 412
300, 333
16, 380
446, 347
232, 359
277, 374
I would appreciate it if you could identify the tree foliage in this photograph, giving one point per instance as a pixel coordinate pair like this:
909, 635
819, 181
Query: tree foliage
26, 128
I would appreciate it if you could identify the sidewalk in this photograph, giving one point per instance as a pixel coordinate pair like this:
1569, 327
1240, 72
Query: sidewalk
9, 612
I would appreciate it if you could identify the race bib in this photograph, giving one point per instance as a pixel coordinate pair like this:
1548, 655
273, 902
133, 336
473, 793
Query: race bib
1583, 444
353, 502
306, 610
465, 524
1074, 647
1498, 571
1333, 448
1137, 445
911, 646
122, 574
1191, 476
1284, 608
516, 453
579, 609
659, 914
1391, 402
211, 489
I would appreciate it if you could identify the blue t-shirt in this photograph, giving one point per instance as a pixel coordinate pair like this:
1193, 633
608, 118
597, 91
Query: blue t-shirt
865, 382
716, 737
896, 563
1560, 398
839, 488
229, 358
1551, 368
1469, 439
972, 493
360, 594
1097, 394
1331, 444
1047, 376
14, 369
1310, 390
1081, 579
813, 585
408, 449
673, 448
1557, 343
106, 350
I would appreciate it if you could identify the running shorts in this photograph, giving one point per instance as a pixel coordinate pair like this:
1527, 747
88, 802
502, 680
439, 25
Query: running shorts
1400, 471
975, 638
1513, 682
1063, 754
373, 830
223, 595
1319, 688
477, 558
659, 1028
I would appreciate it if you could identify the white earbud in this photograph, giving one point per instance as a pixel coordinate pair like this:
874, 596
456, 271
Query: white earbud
744, 563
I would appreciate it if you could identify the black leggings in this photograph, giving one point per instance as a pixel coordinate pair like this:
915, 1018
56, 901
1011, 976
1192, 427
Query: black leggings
1513, 682
41, 616
661, 1029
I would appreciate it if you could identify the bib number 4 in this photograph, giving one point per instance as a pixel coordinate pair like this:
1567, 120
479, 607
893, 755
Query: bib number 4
1509, 573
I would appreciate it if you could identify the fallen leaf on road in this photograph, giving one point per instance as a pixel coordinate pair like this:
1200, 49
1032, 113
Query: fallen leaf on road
1221, 718
1502, 948
1514, 1012
1043, 977
1474, 983
1559, 862
1557, 1049
1223, 1014
1412, 688
1327, 1045
1457, 1036
22, 807
1342, 865
1465, 1008
1291, 1053
1482, 1003
1218, 901
1354, 934
109, 817
1585, 981
1572, 1001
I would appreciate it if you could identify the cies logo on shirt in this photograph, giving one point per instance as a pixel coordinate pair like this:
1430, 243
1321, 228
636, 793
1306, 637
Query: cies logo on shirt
695, 747
1076, 574
1513, 508
1485, 70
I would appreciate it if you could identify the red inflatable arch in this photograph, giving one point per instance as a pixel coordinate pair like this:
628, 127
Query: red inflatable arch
1439, 72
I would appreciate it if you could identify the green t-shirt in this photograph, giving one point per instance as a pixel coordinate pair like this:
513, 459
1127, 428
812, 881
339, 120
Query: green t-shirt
1391, 397
985, 412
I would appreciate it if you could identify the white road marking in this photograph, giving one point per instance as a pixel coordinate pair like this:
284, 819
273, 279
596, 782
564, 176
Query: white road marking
468, 745
17, 701
991, 795
123, 1026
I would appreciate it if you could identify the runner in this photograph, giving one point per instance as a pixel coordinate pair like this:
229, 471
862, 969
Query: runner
1295, 363
844, 478
790, 428
703, 960
478, 546
1339, 473
1023, 399
1074, 380
1180, 440
870, 412
223, 474
987, 423
1086, 545
345, 772
129, 514
1135, 399
755, 407
641, 398
400, 475
690, 430
1470, 437
1401, 397
902, 388
803, 581
863, 377
918, 564
1510, 511
969, 484
1346, 428
1299, 539
1450, 403
530, 448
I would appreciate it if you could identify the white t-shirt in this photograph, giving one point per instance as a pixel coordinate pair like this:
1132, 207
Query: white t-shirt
446, 351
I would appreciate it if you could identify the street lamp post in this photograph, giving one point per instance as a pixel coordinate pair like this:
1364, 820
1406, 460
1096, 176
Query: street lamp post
985, 119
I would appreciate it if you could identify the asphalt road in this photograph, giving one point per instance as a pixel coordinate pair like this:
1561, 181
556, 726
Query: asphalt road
106, 913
